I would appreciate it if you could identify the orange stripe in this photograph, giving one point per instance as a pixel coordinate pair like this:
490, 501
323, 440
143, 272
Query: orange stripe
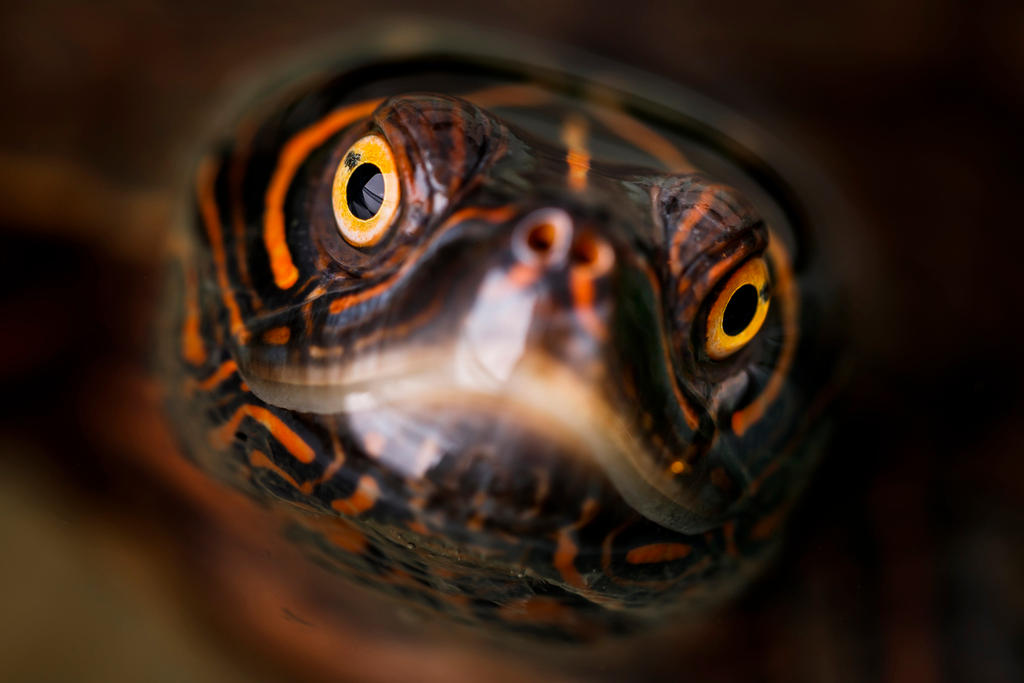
339, 457
493, 214
509, 96
205, 180
236, 176
344, 303
278, 335
582, 287
565, 560
692, 421
714, 273
193, 348
574, 137
259, 459
785, 291
644, 137
294, 152
657, 552
566, 549
291, 441
685, 227
688, 412
226, 369
768, 525
361, 500
347, 537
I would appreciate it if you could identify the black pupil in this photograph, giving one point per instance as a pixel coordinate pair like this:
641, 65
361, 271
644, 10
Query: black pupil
365, 191
740, 310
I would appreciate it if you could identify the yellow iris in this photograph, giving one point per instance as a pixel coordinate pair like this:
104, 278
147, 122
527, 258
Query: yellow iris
366, 191
738, 311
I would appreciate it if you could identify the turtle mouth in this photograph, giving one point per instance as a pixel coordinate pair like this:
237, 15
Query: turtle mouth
537, 392
472, 438
416, 410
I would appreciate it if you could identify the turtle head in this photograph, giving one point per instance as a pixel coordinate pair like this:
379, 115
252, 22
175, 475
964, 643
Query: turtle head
500, 337
457, 266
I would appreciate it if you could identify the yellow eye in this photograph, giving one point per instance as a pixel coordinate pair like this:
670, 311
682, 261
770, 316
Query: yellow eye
366, 191
739, 311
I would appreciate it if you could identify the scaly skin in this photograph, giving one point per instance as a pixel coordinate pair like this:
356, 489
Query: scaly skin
505, 410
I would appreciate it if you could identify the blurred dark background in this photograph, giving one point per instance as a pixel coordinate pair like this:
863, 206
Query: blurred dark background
905, 562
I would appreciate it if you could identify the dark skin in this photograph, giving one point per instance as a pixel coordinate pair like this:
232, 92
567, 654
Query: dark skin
612, 444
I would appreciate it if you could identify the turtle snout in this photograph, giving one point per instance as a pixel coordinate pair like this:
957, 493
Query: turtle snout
543, 237
550, 238
552, 298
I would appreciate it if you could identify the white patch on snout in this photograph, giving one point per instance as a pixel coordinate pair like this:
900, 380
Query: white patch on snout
494, 333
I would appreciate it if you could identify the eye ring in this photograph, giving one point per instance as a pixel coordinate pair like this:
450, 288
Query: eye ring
739, 310
366, 191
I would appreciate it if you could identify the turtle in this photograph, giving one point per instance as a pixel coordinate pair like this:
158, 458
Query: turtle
506, 341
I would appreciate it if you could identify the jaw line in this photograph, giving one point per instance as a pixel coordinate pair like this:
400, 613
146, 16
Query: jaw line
538, 386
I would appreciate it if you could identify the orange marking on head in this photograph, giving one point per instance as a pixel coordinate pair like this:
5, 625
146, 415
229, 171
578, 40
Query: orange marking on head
344, 303
692, 421
606, 546
768, 525
339, 458
784, 291
715, 272
582, 290
260, 459
361, 500
193, 348
565, 559
226, 369
678, 466
537, 610
685, 227
291, 441
293, 154
419, 527
346, 536
278, 335
590, 508
689, 414
581, 285
205, 180
574, 137
657, 552
236, 176
566, 548
644, 137
496, 214
509, 96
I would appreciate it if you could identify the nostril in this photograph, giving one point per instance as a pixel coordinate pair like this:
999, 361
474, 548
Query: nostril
584, 251
543, 236
591, 254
